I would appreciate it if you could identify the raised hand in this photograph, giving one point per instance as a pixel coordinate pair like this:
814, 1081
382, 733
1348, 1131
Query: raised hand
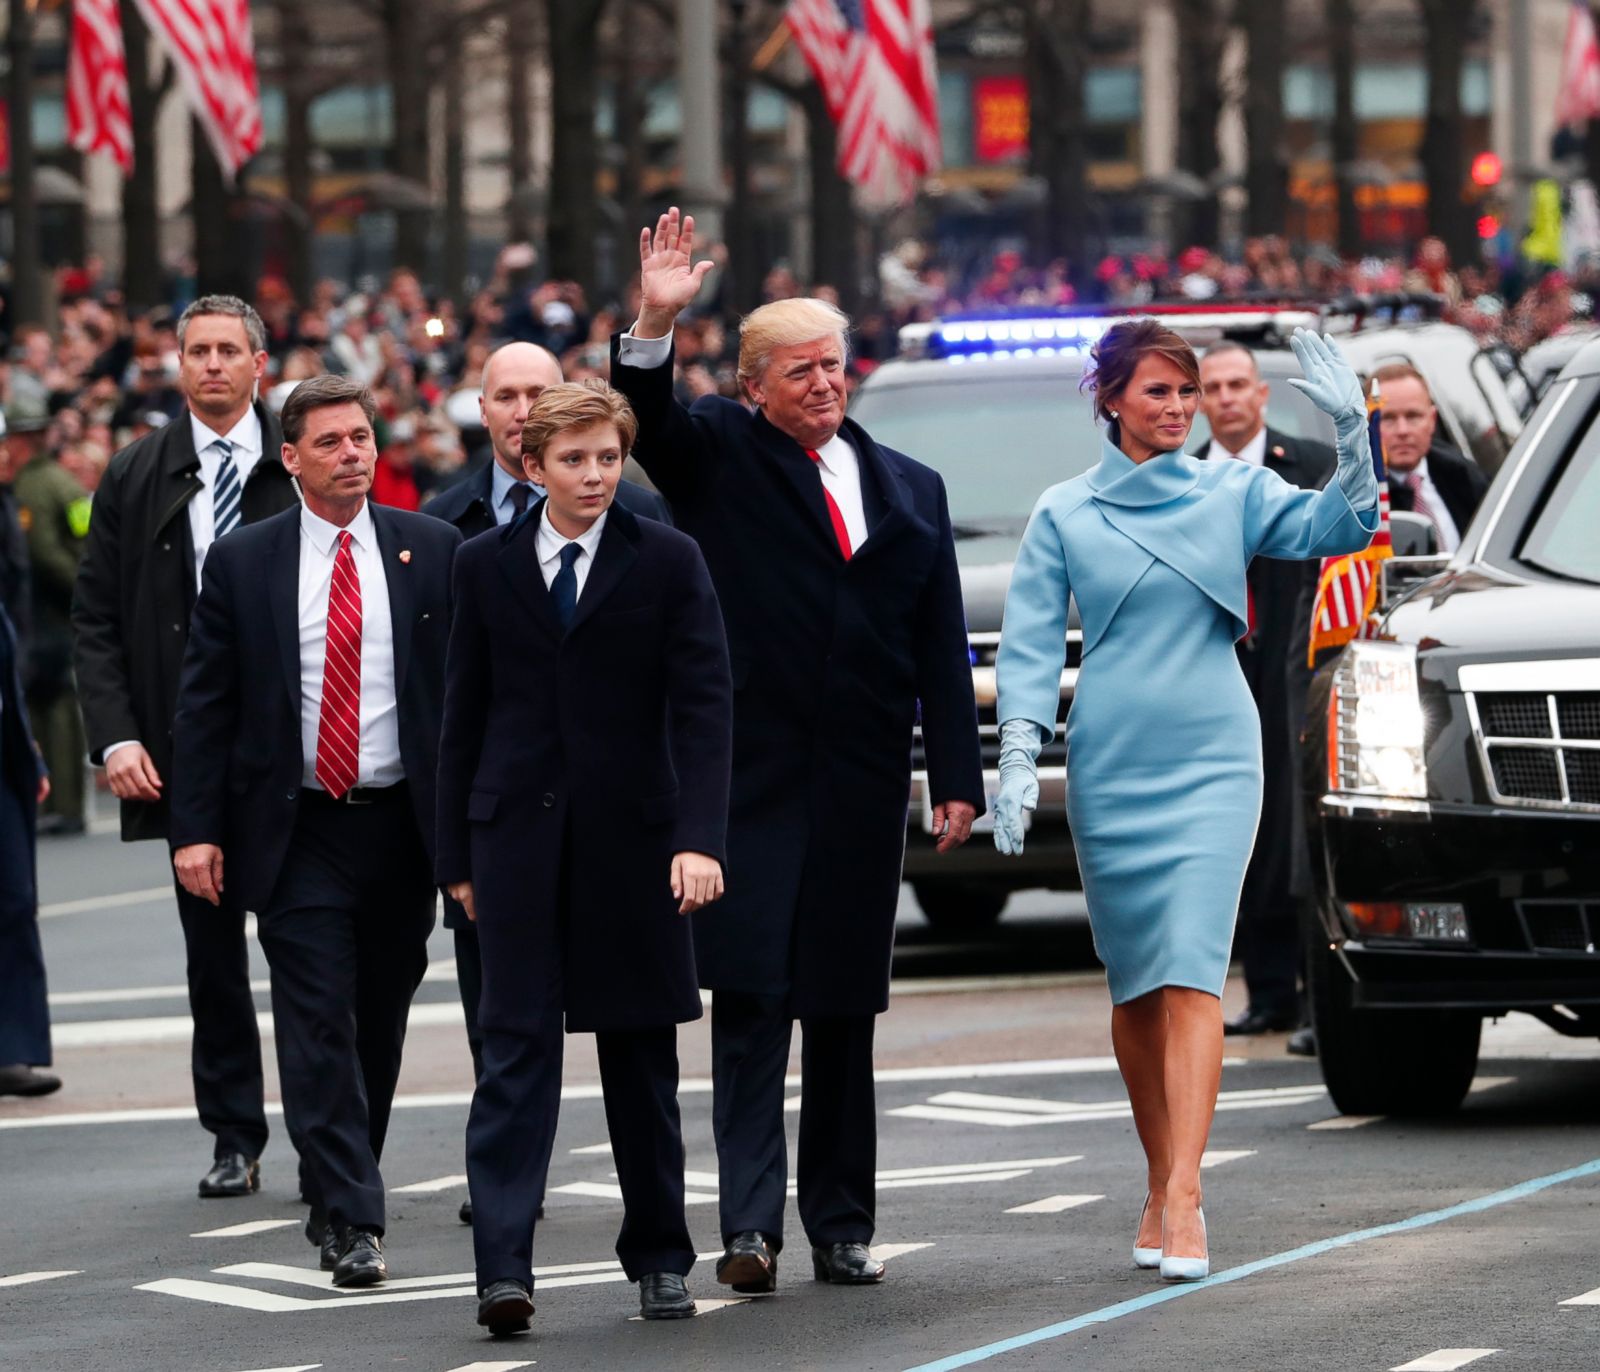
669, 278
1330, 381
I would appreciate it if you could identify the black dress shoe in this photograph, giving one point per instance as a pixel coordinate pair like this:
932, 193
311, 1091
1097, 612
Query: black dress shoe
663, 1296
505, 1307
1302, 1043
232, 1174
465, 1213
749, 1266
361, 1261
1262, 1022
846, 1264
21, 1080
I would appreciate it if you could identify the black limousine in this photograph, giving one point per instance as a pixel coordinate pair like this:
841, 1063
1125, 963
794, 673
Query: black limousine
1452, 775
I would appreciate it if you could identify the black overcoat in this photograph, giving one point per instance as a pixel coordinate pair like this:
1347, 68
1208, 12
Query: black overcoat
1276, 668
575, 765
239, 759
136, 591
830, 661
468, 506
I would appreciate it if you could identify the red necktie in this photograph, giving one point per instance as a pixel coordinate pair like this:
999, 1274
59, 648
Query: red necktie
839, 531
339, 724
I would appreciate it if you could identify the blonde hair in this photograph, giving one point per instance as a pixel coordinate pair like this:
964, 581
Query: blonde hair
784, 324
577, 405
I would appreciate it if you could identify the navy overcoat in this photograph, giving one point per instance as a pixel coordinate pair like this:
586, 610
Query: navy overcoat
830, 661
574, 765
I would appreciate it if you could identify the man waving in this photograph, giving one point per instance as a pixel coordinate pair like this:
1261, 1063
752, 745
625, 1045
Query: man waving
835, 566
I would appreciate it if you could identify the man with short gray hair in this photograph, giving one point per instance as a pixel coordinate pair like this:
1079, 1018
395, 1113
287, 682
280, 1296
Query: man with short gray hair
163, 501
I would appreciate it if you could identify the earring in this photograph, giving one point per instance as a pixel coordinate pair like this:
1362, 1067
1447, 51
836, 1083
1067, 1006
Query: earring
1113, 414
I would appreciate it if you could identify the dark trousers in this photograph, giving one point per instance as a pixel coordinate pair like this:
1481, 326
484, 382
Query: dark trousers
24, 1008
346, 935
750, 1037
225, 1056
512, 1128
469, 977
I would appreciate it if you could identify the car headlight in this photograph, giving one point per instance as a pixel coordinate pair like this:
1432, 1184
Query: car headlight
1376, 726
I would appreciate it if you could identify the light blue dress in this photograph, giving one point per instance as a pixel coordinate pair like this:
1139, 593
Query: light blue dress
1163, 740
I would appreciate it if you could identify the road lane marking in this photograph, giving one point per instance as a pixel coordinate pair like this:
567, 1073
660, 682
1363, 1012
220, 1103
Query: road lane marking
1053, 1205
1106, 1314
1217, 1157
584, 1091
28, 1278
303, 1367
1486, 1084
1008, 1112
116, 1033
239, 1231
600, 1190
120, 900
1445, 1360
703, 1306
1347, 1122
594, 1148
492, 1366
437, 1184
443, 970
1587, 1298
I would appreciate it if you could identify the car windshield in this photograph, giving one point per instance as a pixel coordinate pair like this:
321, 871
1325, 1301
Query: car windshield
1562, 540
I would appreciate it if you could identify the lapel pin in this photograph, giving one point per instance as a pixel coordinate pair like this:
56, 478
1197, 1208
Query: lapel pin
405, 555
1277, 450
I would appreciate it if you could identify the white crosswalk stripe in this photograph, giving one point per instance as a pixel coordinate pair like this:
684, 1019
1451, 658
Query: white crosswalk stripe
1445, 1360
1007, 1112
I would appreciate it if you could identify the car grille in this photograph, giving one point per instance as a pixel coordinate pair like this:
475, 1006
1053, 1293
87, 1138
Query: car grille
1540, 748
983, 649
1560, 926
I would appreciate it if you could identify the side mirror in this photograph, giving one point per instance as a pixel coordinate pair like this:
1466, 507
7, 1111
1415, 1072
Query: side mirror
1413, 535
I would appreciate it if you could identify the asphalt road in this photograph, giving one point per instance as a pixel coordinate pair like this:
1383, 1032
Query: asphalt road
1009, 1189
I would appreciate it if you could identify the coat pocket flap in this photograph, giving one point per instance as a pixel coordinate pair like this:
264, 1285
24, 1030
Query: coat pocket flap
481, 806
659, 809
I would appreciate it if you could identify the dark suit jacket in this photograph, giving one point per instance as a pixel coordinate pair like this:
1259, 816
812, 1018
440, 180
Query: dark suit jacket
575, 765
135, 593
236, 738
1274, 664
831, 660
20, 770
1460, 482
467, 505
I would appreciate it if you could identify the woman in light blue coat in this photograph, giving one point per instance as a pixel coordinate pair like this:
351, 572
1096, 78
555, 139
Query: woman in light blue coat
1164, 745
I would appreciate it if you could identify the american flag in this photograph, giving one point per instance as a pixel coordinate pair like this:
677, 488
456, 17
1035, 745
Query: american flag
873, 60
209, 43
1578, 96
97, 83
1348, 585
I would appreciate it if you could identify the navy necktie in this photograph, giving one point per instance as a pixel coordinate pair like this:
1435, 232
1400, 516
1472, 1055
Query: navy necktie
226, 492
564, 588
520, 492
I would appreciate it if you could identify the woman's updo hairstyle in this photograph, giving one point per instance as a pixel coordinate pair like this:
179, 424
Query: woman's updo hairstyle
1115, 358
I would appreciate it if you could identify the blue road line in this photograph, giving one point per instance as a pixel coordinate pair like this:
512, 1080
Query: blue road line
1108, 1313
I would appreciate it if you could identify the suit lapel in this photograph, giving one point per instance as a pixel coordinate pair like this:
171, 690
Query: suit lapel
402, 592
519, 560
283, 594
612, 560
879, 471
800, 472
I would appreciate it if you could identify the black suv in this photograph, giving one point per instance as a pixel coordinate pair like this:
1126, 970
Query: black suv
1452, 767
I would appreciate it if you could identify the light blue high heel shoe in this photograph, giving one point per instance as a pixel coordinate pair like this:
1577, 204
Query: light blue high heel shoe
1146, 1258
1186, 1269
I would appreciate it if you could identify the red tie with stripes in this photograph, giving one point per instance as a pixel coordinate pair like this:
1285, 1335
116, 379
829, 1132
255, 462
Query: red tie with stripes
839, 531
339, 725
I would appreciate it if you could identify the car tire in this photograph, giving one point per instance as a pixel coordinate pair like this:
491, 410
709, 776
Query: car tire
960, 907
1388, 1062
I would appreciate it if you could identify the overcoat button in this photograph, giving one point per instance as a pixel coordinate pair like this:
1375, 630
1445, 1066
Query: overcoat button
177, 628
549, 800
290, 795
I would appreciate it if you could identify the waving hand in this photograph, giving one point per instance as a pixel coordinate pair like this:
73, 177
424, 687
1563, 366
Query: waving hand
669, 278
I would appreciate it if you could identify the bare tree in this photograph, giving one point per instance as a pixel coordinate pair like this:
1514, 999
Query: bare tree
1266, 172
520, 20
1202, 32
27, 297
1057, 33
1344, 136
453, 270
141, 240
406, 44
574, 221
1446, 23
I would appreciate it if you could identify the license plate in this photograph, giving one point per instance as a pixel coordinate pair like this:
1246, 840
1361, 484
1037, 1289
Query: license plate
984, 824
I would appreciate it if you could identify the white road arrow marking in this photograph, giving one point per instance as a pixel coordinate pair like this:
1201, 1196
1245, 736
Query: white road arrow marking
493, 1366
1587, 1298
238, 1231
1216, 1157
303, 1367
1445, 1360
28, 1278
1347, 1122
1053, 1205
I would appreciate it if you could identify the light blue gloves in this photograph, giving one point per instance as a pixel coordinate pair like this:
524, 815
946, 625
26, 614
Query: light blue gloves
1331, 384
1020, 742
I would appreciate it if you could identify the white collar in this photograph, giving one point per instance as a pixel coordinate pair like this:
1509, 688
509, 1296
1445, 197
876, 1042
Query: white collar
836, 455
1253, 452
322, 535
551, 541
245, 435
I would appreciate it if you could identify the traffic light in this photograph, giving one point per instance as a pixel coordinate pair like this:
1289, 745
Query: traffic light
1486, 170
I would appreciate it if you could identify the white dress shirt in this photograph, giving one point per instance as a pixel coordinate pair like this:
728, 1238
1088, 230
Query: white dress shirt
551, 542
501, 484
1254, 452
245, 436
379, 762
837, 462
1449, 535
